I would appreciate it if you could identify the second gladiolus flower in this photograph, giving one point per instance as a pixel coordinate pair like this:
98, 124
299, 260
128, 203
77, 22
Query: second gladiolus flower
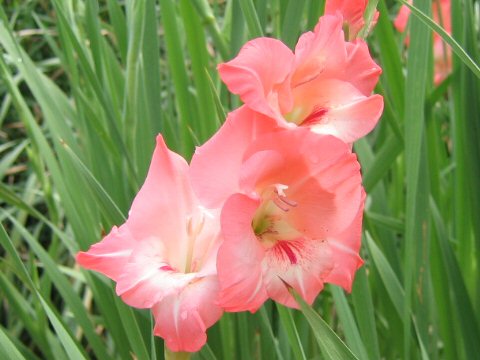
292, 215
325, 85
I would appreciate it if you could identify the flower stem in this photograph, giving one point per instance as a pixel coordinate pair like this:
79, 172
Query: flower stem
171, 355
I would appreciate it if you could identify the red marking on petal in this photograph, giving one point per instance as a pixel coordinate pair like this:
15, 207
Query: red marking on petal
166, 268
286, 248
315, 117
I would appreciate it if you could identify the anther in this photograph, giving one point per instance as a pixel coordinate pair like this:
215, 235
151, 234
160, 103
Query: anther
281, 204
285, 200
194, 230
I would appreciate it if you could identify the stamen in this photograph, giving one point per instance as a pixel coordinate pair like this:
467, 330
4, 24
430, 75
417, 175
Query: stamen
281, 200
193, 230
285, 200
268, 231
280, 204
189, 225
280, 189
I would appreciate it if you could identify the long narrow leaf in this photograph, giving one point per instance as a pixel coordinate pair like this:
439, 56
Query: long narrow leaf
331, 345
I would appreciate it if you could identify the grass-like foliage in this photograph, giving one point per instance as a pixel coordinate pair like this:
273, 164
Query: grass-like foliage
85, 85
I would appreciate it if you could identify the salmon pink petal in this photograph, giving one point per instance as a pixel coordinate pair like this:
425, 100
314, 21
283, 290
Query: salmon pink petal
441, 51
215, 180
401, 20
328, 209
351, 11
352, 121
321, 176
205, 239
346, 112
110, 255
166, 195
445, 20
344, 250
260, 75
255, 167
239, 257
321, 52
361, 71
182, 319
148, 277
301, 264
442, 66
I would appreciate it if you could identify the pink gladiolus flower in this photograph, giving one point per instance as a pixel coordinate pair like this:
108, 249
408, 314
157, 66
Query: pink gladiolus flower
164, 256
325, 85
352, 12
292, 210
441, 52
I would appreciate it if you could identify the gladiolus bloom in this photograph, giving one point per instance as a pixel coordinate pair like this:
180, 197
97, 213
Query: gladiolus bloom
292, 215
325, 85
164, 256
352, 12
441, 52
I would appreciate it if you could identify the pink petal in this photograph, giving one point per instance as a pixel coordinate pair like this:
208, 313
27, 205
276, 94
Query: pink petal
182, 319
239, 257
442, 53
322, 176
148, 277
446, 19
348, 114
302, 264
345, 249
256, 166
215, 166
321, 52
165, 199
351, 11
260, 75
361, 71
401, 20
329, 200
443, 61
205, 240
352, 121
110, 255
